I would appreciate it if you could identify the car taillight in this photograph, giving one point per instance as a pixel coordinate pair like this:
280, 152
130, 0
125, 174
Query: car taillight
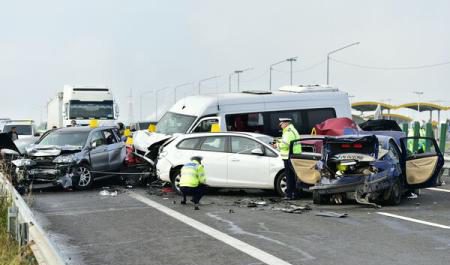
345, 146
130, 158
358, 146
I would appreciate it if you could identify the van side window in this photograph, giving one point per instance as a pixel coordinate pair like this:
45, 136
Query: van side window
205, 125
316, 116
245, 122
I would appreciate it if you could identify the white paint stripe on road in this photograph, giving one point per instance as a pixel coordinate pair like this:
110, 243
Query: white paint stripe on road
414, 220
252, 251
438, 189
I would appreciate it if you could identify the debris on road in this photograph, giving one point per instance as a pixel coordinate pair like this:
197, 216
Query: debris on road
332, 214
108, 193
413, 196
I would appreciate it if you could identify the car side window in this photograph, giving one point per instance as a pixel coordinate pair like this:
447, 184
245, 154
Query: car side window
189, 144
205, 125
214, 144
242, 145
98, 138
109, 137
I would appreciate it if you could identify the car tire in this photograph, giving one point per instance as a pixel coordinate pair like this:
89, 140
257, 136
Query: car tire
281, 184
175, 180
393, 196
85, 177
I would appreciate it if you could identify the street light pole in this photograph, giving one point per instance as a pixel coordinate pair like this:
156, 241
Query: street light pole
419, 94
206, 79
175, 90
156, 101
238, 72
328, 58
291, 60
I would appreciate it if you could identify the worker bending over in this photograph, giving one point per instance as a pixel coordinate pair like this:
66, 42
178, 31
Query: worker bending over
192, 181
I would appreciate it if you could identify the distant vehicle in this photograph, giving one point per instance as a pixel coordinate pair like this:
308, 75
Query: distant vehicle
231, 160
82, 103
25, 128
70, 152
253, 111
370, 169
141, 125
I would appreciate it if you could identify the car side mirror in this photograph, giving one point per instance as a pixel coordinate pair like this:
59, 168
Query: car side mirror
37, 134
93, 144
257, 151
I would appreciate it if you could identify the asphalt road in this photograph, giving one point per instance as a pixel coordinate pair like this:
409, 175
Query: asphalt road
135, 227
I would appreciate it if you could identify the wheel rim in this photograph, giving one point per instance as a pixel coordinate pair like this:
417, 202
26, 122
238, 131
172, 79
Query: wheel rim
177, 182
85, 177
283, 184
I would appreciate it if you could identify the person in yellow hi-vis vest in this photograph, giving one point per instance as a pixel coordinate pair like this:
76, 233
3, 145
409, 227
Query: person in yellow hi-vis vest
289, 134
192, 181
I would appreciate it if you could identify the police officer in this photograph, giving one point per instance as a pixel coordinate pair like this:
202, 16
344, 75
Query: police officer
289, 134
192, 180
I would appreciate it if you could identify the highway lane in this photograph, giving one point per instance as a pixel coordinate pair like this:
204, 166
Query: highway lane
93, 229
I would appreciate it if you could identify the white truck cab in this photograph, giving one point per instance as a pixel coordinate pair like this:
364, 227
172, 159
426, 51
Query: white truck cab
82, 104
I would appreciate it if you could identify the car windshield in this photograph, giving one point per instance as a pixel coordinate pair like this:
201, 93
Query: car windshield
63, 138
172, 123
87, 110
21, 129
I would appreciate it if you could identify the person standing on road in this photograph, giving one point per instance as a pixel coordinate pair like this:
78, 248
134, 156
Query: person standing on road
73, 123
13, 134
192, 181
289, 134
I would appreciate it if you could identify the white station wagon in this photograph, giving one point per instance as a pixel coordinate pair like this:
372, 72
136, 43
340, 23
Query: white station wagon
231, 160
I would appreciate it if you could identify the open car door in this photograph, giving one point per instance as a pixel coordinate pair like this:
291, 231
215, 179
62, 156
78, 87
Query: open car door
422, 162
304, 163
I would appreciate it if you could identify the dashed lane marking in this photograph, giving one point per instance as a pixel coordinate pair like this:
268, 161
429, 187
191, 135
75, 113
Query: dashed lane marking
250, 250
438, 189
414, 220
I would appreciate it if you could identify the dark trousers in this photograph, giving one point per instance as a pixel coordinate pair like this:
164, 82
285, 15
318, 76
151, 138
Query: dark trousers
291, 179
196, 193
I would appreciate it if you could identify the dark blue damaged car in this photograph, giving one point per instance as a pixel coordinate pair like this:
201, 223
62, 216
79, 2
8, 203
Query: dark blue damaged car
372, 169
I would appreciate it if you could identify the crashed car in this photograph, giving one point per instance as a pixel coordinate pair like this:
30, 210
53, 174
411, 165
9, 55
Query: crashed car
372, 169
75, 156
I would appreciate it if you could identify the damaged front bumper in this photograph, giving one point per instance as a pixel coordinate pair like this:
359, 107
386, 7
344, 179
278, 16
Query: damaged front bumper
361, 183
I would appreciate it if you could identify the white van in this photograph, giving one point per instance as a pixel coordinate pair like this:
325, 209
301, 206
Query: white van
256, 111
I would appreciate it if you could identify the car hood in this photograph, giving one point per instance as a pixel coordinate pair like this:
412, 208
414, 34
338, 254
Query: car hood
144, 141
51, 150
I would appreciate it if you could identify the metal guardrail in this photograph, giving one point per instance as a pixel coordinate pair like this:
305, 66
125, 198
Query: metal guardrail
43, 250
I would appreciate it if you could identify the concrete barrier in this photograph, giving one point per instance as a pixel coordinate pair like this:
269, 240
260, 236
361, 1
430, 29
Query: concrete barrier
29, 230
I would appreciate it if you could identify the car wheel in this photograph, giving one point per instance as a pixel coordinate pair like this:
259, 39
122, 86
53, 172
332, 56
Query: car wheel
85, 177
281, 184
175, 180
393, 196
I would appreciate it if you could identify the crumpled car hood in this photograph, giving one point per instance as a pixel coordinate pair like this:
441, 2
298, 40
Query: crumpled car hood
51, 150
144, 140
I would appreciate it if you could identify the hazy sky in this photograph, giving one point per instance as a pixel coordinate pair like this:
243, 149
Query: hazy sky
146, 45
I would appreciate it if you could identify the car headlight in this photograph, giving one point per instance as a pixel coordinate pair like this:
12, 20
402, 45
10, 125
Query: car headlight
23, 162
64, 159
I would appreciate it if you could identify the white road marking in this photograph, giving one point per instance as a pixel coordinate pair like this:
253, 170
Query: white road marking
414, 220
438, 189
252, 251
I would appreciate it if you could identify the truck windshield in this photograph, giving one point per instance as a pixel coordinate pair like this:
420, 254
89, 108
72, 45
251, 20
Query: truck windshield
21, 129
86, 110
172, 123
60, 138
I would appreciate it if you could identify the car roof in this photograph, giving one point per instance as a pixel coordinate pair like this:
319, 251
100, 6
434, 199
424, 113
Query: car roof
249, 134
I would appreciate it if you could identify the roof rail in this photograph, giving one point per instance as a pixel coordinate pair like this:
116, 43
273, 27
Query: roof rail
308, 88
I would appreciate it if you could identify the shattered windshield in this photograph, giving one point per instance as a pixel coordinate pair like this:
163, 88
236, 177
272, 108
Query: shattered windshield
96, 110
61, 138
172, 123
